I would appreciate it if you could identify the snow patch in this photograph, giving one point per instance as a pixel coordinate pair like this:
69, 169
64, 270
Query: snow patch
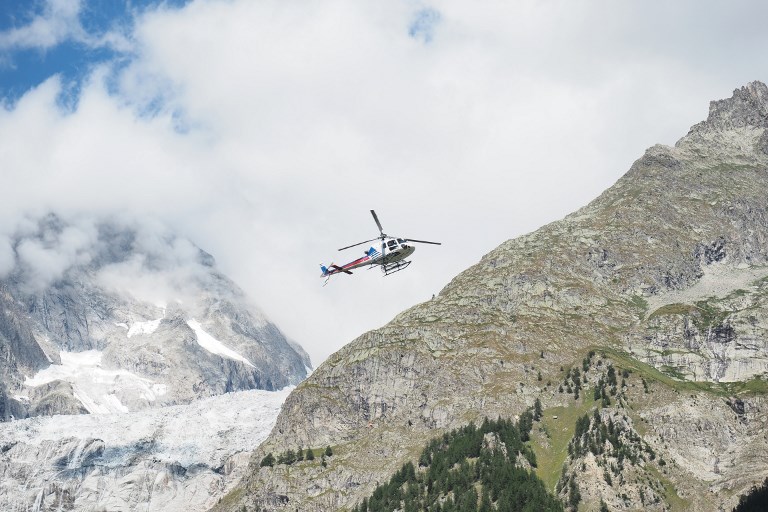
72, 365
89, 403
114, 403
138, 328
213, 345
95, 387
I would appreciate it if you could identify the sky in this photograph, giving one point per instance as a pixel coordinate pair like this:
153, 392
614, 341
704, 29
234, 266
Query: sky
265, 130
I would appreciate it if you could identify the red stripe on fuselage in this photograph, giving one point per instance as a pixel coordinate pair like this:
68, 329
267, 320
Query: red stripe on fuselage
349, 265
356, 262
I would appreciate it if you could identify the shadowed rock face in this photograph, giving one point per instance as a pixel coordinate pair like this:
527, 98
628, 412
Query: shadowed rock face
19, 352
667, 269
146, 316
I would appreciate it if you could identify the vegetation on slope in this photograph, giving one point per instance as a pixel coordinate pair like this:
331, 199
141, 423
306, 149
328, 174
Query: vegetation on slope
469, 469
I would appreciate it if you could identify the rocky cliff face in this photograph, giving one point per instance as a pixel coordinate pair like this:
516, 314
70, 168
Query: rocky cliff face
664, 274
108, 315
20, 353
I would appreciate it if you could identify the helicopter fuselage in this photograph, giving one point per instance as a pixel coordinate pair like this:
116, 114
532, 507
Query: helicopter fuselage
395, 250
400, 252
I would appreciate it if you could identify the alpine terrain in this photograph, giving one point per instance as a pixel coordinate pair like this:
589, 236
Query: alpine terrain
639, 323
126, 321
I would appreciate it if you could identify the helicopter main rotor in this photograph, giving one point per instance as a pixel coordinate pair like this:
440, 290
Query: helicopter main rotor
383, 236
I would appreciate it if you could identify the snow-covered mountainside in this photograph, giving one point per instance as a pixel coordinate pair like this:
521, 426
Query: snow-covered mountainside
180, 457
112, 315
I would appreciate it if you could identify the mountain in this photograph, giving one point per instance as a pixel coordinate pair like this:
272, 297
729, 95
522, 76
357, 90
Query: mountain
108, 314
640, 322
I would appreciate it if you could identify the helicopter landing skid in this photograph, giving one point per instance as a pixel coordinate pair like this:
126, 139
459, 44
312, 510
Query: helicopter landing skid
391, 268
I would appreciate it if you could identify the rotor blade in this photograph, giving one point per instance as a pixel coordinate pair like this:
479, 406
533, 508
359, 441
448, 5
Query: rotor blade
376, 218
422, 241
360, 243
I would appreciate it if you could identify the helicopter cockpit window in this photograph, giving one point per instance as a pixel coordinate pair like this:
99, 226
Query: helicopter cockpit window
391, 244
400, 241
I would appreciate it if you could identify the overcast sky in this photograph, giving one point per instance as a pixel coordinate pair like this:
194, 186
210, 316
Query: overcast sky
265, 130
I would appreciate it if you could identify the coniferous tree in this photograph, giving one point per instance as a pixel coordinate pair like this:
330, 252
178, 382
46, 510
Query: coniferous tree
526, 423
574, 496
287, 457
268, 460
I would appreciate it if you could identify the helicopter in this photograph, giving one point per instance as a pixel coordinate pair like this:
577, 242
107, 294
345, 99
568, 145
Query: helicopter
390, 256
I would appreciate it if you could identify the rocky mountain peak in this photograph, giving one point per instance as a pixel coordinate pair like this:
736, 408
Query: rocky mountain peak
735, 128
747, 108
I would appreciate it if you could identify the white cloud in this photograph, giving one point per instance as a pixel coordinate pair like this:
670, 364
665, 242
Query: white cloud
133, 255
160, 287
51, 251
277, 125
59, 22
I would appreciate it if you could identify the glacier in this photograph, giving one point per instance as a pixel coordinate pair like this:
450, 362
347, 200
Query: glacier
175, 458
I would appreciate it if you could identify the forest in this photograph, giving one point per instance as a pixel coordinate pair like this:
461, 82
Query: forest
471, 469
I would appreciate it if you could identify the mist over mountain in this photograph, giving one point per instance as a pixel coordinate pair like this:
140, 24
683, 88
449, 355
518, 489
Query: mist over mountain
639, 322
104, 314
